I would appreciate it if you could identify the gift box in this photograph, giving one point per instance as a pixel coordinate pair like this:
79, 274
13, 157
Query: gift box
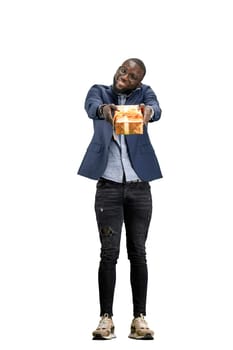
128, 120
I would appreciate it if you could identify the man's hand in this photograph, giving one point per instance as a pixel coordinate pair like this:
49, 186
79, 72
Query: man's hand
147, 112
107, 111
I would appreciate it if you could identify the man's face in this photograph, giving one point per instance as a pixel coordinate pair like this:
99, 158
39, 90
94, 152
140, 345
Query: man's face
128, 77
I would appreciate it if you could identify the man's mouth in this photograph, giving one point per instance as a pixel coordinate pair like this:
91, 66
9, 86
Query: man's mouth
121, 84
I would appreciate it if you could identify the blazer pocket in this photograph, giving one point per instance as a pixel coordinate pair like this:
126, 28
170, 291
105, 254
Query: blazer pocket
95, 147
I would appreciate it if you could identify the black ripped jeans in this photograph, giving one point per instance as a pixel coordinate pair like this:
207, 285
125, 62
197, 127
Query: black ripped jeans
115, 204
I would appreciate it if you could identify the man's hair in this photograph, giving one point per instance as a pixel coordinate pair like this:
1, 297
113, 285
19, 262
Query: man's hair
139, 62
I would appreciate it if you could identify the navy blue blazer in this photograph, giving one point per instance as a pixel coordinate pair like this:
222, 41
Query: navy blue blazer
140, 149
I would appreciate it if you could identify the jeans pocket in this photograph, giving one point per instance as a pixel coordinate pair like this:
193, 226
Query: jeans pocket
100, 183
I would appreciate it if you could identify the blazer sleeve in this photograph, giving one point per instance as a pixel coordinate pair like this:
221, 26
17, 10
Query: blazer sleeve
150, 99
93, 101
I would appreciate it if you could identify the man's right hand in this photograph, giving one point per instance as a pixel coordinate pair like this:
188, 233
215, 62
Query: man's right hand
107, 111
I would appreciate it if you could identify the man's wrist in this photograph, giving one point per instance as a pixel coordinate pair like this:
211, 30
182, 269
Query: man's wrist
100, 111
152, 113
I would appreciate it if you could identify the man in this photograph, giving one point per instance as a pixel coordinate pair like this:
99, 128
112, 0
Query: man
123, 166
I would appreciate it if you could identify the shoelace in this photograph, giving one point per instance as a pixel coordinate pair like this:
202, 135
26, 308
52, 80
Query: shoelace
141, 322
103, 322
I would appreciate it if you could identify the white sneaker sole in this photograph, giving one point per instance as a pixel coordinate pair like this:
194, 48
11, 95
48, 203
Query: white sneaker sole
141, 337
101, 337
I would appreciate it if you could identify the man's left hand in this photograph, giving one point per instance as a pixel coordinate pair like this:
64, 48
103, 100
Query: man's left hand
147, 112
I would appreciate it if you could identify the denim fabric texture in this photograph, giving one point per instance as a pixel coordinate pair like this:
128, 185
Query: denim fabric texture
117, 204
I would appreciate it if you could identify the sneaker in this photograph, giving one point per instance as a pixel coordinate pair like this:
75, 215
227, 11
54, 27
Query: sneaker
140, 329
105, 329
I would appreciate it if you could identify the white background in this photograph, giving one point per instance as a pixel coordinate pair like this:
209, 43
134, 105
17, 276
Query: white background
51, 53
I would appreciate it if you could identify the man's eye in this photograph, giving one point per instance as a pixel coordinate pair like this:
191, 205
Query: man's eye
132, 77
122, 70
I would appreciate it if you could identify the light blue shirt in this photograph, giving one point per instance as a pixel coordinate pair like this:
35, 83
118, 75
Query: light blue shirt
119, 167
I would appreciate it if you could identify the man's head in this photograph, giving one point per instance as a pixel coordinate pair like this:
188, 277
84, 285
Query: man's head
129, 75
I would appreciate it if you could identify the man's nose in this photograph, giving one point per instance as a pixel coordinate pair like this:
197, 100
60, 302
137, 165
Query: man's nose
125, 76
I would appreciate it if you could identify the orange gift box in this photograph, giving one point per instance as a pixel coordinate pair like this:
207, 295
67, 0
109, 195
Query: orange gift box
128, 120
